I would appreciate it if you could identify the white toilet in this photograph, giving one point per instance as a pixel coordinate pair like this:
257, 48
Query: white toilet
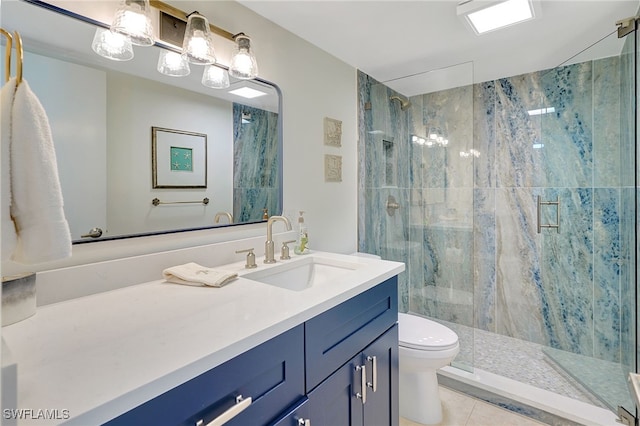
425, 346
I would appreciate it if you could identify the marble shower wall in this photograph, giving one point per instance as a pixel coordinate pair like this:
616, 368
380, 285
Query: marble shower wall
256, 179
557, 289
383, 157
471, 243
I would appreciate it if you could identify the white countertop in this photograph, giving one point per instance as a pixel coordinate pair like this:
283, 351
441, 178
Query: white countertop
101, 355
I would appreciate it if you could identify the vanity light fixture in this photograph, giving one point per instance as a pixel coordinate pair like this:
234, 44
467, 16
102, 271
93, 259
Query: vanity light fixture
133, 19
485, 16
132, 25
215, 77
110, 45
173, 64
243, 63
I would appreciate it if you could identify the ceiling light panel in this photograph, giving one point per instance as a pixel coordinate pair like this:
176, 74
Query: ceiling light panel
486, 16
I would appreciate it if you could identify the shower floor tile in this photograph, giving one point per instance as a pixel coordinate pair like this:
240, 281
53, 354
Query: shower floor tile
516, 359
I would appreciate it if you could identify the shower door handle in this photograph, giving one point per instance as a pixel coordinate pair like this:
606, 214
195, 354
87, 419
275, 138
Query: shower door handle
539, 214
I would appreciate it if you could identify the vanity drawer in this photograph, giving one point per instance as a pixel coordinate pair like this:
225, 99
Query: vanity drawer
333, 337
272, 374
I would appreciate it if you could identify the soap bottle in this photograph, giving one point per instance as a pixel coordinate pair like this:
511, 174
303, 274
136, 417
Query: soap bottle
302, 242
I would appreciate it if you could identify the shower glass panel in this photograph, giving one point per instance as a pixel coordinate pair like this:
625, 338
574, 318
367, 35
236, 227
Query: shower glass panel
585, 274
431, 178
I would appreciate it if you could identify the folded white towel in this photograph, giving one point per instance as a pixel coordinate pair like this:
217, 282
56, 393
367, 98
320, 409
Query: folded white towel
8, 231
194, 274
37, 205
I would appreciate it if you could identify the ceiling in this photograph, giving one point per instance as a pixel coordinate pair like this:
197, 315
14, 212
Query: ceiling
390, 40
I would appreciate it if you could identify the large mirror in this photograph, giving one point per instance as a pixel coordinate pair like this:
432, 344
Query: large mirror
116, 126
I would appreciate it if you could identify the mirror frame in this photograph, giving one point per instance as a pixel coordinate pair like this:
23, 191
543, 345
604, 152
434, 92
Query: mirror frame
160, 44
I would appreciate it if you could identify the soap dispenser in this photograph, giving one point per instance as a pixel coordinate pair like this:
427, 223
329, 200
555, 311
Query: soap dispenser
302, 242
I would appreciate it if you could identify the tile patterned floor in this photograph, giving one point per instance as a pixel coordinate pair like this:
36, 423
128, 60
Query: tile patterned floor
462, 410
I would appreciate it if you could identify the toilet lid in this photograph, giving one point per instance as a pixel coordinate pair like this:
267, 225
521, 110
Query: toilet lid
420, 333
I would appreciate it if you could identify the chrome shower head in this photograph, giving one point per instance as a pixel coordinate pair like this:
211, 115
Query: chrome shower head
404, 103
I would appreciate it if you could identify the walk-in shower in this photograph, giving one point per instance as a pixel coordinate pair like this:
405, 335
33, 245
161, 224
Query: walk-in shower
520, 231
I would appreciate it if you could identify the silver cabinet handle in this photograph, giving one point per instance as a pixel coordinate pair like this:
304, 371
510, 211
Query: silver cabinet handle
363, 383
93, 233
304, 422
374, 373
241, 405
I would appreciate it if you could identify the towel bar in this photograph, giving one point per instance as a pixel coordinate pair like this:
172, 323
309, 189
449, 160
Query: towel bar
157, 202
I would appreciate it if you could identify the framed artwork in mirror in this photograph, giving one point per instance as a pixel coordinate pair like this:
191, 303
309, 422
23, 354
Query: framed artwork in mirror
179, 158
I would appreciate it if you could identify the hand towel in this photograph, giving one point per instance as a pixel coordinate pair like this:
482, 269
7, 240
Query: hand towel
194, 274
36, 205
7, 227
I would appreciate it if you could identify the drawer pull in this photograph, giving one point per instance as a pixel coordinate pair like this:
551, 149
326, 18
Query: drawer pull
241, 405
304, 422
363, 383
374, 373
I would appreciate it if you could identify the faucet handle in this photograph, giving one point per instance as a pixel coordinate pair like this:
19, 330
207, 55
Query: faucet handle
251, 258
284, 252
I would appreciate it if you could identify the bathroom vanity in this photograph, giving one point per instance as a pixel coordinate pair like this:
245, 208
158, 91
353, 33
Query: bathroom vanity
253, 352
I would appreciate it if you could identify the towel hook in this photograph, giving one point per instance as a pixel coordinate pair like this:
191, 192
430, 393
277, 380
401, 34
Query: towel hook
7, 55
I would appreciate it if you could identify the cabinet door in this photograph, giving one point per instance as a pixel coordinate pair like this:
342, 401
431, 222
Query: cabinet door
334, 401
338, 334
381, 361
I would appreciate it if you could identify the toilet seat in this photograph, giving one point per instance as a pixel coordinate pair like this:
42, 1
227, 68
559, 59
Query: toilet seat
422, 334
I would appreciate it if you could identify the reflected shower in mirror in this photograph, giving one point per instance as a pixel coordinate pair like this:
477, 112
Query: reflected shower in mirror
225, 148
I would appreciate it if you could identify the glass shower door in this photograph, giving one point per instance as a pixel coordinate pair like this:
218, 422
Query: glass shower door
584, 196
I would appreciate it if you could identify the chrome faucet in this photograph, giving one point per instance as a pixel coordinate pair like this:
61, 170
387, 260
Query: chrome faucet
268, 245
220, 214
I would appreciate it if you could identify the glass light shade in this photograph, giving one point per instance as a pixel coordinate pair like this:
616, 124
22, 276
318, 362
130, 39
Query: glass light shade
215, 77
173, 64
197, 45
110, 45
243, 63
133, 19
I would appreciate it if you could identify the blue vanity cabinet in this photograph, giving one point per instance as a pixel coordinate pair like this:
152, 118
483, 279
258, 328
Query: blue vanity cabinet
338, 368
357, 396
271, 374
351, 363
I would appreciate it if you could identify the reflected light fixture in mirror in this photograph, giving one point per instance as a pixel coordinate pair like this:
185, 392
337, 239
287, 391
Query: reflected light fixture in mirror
215, 77
197, 45
173, 64
110, 45
243, 63
133, 19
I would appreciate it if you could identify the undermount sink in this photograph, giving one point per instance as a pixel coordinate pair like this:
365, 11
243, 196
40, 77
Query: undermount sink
303, 272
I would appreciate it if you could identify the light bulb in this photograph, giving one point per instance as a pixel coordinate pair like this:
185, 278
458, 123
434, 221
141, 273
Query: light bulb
243, 63
133, 19
215, 77
197, 45
173, 64
110, 45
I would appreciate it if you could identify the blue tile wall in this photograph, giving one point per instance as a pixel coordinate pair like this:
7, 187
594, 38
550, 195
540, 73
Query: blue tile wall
256, 180
474, 255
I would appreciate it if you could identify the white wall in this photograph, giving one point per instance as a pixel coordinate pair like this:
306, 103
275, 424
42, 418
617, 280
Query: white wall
134, 106
314, 85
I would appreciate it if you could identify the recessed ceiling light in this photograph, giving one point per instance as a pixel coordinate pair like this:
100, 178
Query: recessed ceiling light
485, 16
247, 92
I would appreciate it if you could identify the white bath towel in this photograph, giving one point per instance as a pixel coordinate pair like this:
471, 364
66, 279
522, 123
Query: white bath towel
7, 227
36, 205
194, 274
